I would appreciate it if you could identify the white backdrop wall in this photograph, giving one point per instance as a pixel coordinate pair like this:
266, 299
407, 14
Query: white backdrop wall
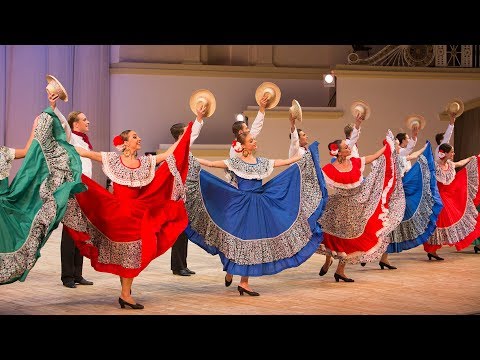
150, 104
392, 100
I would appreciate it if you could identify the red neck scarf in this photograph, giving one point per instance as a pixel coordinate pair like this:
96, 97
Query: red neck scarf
84, 137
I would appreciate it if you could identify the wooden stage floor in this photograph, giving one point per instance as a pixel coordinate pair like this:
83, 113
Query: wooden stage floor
417, 287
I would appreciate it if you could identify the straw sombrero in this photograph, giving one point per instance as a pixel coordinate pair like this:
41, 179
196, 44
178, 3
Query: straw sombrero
55, 87
273, 92
206, 97
362, 107
296, 110
415, 120
455, 108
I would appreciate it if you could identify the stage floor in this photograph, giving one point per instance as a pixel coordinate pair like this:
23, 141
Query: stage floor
417, 287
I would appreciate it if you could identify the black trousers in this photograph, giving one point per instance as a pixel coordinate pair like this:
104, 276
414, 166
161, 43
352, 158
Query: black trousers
178, 260
71, 259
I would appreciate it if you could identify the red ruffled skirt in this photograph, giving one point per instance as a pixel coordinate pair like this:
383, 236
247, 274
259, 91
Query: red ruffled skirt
346, 213
458, 222
121, 233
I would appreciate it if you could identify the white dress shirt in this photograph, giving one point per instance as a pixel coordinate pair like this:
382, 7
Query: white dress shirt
76, 140
64, 123
196, 127
295, 148
405, 164
254, 131
352, 142
446, 139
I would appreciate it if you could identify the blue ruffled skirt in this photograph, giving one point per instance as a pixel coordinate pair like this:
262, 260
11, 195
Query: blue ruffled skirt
258, 229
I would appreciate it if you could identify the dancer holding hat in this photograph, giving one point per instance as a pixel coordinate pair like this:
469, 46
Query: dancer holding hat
458, 222
361, 211
257, 229
298, 137
123, 231
422, 199
267, 96
453, 109
203, 104
35, 201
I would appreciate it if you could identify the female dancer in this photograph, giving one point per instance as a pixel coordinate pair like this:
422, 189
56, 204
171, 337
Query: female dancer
257, 229
360, 213
457, 223
123, 231
423, 203
35, 202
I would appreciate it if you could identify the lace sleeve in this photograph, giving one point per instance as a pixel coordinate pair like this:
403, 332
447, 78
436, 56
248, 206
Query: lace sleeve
6, 158
179, 191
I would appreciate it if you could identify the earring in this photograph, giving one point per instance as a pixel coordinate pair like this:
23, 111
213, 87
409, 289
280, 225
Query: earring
126, 152
245, 152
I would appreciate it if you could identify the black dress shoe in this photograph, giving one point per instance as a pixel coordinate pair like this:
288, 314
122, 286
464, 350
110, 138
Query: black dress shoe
339, 277
83, 281
182, 272
242, 290
436, 257
136, 306
388, 266
70, 284
190, 271
323, 271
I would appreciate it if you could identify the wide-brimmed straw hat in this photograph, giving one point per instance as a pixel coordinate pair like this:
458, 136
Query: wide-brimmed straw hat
296, 110
206, 97
360, 106
415, 119
273, 92
55, 87
455, 108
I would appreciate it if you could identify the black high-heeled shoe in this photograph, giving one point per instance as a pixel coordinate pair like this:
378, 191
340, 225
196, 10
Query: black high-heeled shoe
228, 283
382, 265
476, 248
241, 290
323, 272
363, 264
338, 277
133, 306
436, 257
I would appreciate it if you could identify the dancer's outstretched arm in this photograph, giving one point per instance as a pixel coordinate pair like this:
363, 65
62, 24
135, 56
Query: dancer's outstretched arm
370, 158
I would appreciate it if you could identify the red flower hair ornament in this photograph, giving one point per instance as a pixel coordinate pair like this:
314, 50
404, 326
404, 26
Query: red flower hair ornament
118, 143
237, 146
333, 149
441, 154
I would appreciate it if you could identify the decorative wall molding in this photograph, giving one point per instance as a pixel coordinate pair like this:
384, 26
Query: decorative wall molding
294, 73
397, 55
419, 56
454, 55
218, 71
